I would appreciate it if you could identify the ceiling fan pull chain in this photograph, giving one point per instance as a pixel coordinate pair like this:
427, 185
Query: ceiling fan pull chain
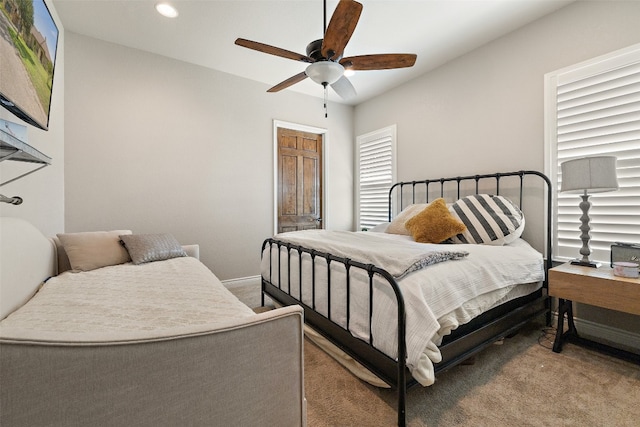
325, 100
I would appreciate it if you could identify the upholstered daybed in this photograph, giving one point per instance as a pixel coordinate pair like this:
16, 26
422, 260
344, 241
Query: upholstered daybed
136, 343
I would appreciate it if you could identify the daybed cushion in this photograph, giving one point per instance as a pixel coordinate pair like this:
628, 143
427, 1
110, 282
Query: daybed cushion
125, 302
94, 249
492, 220
144, 248
434, 224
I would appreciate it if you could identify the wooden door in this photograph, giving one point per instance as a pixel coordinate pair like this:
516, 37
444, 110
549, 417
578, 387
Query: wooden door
299, 180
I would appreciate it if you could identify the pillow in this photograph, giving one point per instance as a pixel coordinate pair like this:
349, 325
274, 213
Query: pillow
434, 224
380, 228
94, 249
492, 220
152, 247
397, 225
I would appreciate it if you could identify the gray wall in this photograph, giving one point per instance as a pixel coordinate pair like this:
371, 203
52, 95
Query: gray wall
483, 112
158, 145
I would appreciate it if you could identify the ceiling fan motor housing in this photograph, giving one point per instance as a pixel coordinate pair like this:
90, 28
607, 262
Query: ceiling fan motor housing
314, 51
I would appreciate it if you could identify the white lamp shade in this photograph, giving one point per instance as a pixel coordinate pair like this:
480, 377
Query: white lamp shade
325, 72
592, 174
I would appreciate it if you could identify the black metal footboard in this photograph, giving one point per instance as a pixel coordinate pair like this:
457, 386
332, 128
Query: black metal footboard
467, 340
393, 372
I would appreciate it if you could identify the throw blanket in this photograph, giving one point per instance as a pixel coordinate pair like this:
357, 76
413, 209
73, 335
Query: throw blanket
399, 258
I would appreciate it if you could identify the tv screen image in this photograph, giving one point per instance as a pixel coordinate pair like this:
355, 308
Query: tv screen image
28, 44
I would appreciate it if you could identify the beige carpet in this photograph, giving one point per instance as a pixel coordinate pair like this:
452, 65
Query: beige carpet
519, 383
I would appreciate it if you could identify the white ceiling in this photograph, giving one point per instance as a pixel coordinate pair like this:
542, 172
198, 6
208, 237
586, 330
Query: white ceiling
205, 31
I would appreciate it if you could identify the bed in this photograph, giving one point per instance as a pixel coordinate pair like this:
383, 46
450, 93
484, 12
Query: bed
144, 336
377, 300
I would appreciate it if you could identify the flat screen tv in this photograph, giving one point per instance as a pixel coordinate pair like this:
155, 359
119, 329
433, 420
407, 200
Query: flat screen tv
28, 44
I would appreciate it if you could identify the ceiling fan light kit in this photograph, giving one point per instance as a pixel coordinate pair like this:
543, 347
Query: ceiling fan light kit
325, 72
327, 66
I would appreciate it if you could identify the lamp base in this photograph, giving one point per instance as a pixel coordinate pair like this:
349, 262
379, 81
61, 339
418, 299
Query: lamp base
591, 264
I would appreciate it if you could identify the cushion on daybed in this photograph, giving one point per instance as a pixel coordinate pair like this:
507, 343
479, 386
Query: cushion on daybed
94, 249
144, 248
434, 224
489, 219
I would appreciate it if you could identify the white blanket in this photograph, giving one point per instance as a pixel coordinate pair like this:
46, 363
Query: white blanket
399, 258
429, 294
125, 302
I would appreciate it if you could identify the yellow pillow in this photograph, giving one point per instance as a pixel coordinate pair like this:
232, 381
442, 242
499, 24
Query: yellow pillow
434, 224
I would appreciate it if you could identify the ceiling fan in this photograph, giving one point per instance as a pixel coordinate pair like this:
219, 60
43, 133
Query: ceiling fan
324, 56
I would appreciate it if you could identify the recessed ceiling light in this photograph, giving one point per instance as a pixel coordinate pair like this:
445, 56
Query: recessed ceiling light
165, 9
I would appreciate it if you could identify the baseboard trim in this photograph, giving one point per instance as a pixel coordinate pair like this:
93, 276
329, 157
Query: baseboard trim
241, 281
607, 334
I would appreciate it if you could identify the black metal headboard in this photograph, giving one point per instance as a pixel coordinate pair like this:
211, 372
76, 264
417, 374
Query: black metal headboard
403, 196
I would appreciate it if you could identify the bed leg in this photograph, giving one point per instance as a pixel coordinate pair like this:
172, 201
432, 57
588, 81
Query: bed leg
402, 395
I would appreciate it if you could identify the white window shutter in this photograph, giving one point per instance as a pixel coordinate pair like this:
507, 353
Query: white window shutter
375, 175
595, 108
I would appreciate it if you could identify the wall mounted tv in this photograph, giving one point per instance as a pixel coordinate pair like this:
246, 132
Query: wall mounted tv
28, 44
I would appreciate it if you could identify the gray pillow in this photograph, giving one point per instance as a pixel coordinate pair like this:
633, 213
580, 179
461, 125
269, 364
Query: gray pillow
144, 248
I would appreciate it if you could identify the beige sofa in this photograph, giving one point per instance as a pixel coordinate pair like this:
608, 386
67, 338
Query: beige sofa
244, 372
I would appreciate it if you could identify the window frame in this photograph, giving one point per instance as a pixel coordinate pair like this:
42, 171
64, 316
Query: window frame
379, 134
592, 67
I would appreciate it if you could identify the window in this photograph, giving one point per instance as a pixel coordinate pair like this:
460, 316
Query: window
376, 172
593, 108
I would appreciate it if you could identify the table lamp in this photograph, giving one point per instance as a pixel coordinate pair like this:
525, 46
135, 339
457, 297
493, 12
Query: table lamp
588, 175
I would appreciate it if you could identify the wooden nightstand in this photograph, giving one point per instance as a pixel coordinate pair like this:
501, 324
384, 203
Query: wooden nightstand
593, 286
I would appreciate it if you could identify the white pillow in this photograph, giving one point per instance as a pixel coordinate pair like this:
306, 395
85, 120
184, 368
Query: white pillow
397, 225
380, 228
490, 220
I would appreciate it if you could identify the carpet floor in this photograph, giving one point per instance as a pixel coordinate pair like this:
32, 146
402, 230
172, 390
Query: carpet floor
520, 382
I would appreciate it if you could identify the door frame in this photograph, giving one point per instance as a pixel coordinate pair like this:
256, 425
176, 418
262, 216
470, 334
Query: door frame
303, 128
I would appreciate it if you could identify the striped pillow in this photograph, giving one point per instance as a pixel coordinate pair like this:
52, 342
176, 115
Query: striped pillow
490, 220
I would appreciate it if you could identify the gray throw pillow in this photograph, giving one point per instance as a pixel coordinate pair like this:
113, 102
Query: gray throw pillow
144, 248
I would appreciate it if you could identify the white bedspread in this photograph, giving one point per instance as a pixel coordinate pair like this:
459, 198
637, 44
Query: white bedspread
439, 291
398, 257
125, 302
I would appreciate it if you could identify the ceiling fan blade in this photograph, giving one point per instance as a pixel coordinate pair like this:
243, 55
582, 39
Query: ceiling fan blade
379, 62
340, 28
289, 82
344, 88
272, 50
